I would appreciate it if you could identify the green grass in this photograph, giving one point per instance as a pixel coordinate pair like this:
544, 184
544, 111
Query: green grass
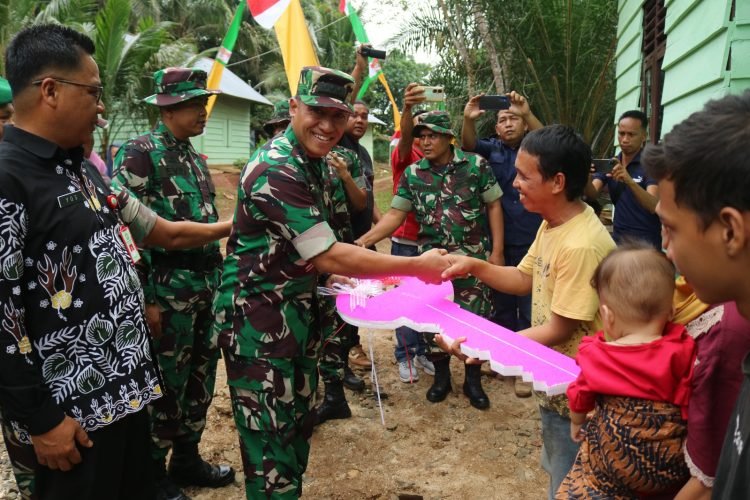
383, 200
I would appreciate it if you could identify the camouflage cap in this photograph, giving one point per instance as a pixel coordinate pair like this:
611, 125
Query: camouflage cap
324, 87
279, 116
6, 95
437, 121
175, 85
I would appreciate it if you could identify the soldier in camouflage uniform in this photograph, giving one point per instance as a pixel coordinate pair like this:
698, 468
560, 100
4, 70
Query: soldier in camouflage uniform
165, 172
267, 312
448, 191
344, 168
279, 119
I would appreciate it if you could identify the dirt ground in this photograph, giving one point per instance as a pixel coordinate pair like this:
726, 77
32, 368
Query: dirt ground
447, 450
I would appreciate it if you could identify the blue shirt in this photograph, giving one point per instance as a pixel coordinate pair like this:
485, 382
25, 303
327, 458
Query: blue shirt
631, 219
520, 225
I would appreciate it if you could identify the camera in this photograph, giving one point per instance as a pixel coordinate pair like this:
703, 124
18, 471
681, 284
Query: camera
370, 52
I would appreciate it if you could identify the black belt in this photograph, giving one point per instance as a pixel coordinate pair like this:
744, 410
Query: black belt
191, 262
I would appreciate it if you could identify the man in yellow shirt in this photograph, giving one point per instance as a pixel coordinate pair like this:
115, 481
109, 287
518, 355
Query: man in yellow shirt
551, 172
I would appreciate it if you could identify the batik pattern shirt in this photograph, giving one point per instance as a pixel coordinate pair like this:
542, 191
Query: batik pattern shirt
73, 336
265, 305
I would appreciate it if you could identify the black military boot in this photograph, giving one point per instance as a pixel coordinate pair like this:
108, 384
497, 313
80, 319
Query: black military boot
473, 387
351, 381
334, 404
165, 488
442, 383
188, 468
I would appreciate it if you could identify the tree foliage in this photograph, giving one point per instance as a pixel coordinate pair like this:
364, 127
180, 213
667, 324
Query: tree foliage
559, 53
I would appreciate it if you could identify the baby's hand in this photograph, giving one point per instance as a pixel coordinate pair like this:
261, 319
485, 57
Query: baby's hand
575, 432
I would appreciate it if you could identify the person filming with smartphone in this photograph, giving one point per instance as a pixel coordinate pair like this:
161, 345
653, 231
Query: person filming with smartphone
632, 192
514, 120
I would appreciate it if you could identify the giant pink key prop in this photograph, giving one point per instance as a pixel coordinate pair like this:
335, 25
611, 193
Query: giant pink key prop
429, 308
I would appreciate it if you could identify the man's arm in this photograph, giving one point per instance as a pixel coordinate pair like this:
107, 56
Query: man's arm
592, 189
413, 95
185, 234
520, 107
359, 72
351, 260
497, 230
389, 222
376, 213
148, 229
507, 279
469, 128
647, 198
556, 331
356, 195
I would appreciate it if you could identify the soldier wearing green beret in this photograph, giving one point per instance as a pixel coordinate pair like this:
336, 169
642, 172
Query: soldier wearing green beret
267, 312
454, 195
6, 105
165, 172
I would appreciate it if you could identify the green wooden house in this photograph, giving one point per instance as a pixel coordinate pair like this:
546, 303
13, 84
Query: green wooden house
674, 55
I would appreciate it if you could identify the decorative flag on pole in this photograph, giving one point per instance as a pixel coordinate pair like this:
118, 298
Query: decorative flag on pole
222, 57
267, 12
375, 71
287, 19
296, 45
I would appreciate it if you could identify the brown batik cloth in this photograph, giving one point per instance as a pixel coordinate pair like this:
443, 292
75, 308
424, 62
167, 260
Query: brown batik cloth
632, 448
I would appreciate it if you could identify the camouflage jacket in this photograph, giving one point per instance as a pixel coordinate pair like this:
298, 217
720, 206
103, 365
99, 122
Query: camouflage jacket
341, 218
171, 178
448, 202
265, 302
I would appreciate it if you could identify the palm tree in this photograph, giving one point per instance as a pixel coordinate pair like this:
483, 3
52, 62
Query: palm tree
127, 61
18, 14
559, 53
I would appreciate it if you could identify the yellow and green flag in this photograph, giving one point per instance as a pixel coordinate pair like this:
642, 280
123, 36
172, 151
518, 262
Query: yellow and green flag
225, 52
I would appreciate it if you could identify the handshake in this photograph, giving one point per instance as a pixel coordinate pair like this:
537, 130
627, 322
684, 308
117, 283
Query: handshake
436, 265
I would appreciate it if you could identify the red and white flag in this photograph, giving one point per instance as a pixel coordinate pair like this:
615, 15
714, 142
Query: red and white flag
267, 12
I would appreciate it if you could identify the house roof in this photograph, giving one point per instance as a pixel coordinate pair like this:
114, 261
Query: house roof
232, 84
374, 119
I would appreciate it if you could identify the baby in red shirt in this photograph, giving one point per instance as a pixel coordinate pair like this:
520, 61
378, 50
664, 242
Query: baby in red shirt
635, 376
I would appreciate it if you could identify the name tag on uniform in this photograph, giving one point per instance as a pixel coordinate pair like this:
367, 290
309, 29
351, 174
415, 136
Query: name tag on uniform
175, 169
68, 199
130, 245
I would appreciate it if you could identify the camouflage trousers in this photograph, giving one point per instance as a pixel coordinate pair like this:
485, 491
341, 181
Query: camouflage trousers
272, 400
470, 294
338, 337
22, 459
186, 359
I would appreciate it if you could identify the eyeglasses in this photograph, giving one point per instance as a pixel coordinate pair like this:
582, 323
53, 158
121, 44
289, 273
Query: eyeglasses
99, 89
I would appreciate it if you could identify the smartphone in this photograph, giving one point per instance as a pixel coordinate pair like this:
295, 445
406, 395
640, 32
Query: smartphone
604, 165
494, 102
434, 94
